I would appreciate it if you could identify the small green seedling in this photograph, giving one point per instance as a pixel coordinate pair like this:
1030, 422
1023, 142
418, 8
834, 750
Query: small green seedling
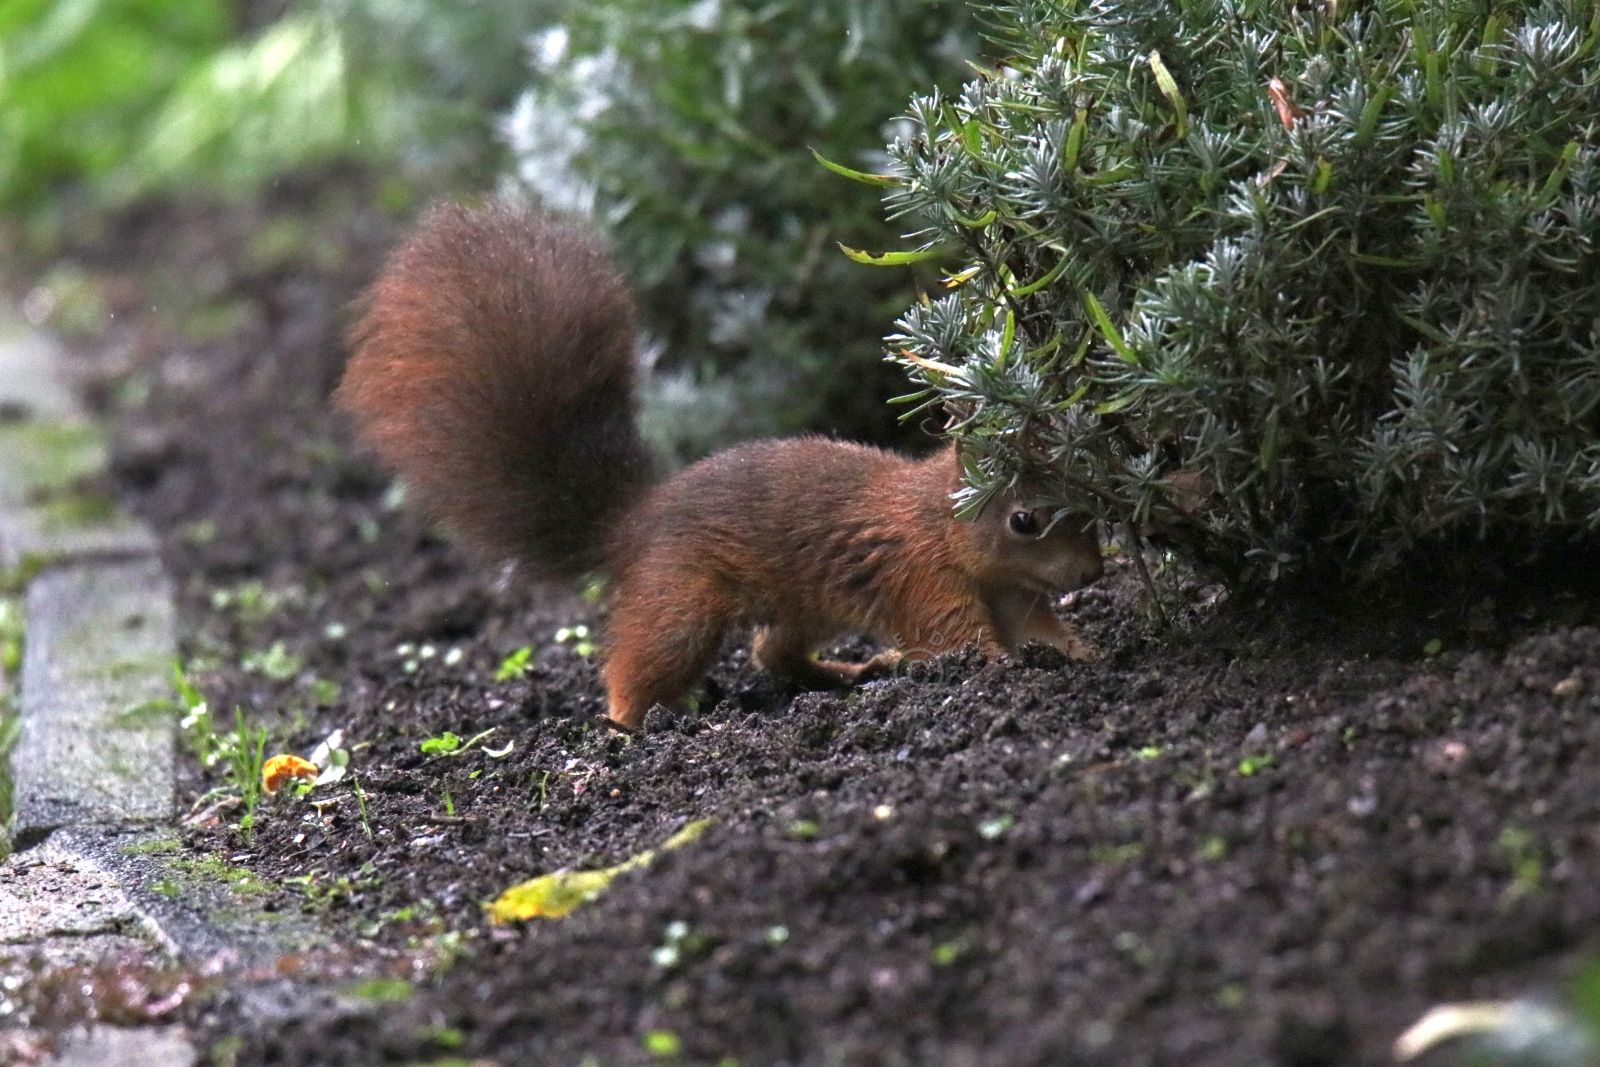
1253, 765
247, 753
241, 752
10, 636
361, 806
276, 664
196, 725
989, 829
663, 1044
1522, 852
202, 532
446, 1037
381, 990
579, 636
1116, 855
451, 744
252, 602
441, 744
679, 942
804, 829
514, 665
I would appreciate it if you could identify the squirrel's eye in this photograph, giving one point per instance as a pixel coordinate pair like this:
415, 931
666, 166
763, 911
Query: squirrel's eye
1024, 523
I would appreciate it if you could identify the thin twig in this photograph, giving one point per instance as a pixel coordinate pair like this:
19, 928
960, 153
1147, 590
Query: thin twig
1136, 547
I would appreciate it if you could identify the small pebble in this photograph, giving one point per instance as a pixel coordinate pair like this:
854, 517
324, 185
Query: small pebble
1567, 688
1445, 757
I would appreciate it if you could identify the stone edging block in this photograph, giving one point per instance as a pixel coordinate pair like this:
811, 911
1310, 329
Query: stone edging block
97, 728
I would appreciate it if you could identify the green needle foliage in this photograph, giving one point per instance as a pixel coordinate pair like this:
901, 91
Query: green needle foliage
1307, 286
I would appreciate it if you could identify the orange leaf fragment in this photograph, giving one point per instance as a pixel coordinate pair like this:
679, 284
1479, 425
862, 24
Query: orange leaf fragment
1287, 111
280, 770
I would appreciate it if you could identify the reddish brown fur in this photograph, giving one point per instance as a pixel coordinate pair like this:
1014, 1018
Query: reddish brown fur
808, 538
493, 368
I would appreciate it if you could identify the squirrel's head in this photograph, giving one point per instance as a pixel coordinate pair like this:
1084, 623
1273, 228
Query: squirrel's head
1037, 548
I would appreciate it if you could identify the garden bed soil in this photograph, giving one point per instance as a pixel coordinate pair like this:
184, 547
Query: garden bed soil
1270, 834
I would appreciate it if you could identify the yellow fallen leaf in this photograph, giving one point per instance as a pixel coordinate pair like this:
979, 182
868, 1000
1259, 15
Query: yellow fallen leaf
687, 836
280, 770
551, 896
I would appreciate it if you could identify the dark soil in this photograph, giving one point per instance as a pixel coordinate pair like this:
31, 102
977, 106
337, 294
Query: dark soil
1268, 835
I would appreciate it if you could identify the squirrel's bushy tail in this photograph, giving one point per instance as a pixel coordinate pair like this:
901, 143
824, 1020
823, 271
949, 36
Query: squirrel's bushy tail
493, 368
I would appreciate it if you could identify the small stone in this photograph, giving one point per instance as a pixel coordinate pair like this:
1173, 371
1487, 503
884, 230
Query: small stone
1567, 688
79, 759
1362, 805
1445, 757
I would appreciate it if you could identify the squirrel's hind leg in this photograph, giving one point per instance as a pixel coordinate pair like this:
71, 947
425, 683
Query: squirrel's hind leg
662, 642
786, 652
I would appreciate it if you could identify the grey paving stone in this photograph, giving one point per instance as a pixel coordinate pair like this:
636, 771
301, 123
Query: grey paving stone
32, 535
94, 748
47, 512
47, 448
100, 876
105, 1046
55, 892
28, 378
197, 908
69, 951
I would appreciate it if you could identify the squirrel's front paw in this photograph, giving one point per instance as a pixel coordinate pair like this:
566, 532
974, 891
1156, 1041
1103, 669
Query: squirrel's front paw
885, 664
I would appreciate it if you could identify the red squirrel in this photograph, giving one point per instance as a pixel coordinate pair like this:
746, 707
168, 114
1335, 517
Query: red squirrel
493, 368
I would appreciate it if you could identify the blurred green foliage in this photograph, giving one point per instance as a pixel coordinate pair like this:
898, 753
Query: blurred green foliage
685, 128
79, 79
451, 68
117, 99
281, 100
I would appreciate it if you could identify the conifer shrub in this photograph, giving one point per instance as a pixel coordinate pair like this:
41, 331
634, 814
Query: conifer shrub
1307, 286
686, 129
